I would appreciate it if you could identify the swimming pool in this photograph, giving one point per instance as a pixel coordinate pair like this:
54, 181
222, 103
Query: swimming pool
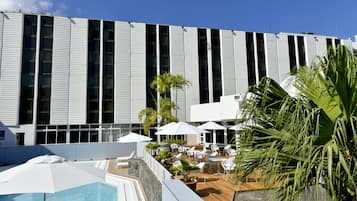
90, 192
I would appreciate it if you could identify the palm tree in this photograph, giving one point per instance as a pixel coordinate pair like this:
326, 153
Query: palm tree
163, 84
309, 139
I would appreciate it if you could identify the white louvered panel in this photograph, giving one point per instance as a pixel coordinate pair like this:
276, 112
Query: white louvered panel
60, 70
138, 70
1, 38
311, 54
191, 68
271, 54
227, 63
321, 46
177, 63
122, 73
10, 75
78, 71
283, 56
240, 62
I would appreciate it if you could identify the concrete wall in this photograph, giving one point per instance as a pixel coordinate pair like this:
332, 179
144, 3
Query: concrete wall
19, 154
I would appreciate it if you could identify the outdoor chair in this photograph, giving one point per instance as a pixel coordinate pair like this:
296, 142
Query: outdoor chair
191, 152
178, 156
174, 147
227, 148
124, 161
200, 156
232, 152
228, 166
181, 149
214, 154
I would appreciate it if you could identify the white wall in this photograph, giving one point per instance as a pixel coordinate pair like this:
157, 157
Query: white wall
78, 71
271, 55
283, 56
177, 65
60, 71
191, 68
240, 61
227, 63
11, 68
122, 83
310, 50
138, 70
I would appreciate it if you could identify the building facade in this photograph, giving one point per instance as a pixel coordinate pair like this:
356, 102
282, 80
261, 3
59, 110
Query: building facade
76, 80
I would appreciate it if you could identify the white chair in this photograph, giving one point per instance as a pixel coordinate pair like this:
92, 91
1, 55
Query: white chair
227, 148
200, 155
228, 166
232, 152
191, 152
181, 149
178, 156
214, 154
124, 161
174, 147
214, 147
176, 163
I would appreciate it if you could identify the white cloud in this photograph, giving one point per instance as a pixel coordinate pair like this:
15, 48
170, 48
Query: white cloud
36, 6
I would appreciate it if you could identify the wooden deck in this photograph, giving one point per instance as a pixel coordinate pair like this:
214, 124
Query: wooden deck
222, 188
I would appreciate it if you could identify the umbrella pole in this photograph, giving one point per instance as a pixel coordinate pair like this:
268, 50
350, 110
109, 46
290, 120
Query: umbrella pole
44, 196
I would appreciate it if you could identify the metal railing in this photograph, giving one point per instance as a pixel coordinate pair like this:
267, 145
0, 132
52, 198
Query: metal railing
160, 171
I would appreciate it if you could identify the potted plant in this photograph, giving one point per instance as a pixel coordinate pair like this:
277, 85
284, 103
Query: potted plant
152, 148
185, 169
164, 155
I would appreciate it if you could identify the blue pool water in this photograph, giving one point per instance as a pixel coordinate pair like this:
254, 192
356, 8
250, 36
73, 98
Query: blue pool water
90, 192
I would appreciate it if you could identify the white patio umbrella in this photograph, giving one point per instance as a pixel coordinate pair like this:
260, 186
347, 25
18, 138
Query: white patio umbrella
47, 174
214, 127
164, 127
181, 128
134, 137
240, 127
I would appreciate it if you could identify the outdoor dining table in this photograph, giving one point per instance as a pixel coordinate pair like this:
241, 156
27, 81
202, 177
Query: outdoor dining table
216, 160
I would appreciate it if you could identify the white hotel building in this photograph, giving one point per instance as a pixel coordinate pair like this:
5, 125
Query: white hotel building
77, 80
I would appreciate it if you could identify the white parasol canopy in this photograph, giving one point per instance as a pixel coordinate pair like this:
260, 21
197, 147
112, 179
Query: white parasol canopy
166, 126
134, 137
241, 126
212, 126
47, 174
181, 128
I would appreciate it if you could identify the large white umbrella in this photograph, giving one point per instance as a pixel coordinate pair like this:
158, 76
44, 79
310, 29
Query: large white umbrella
181, 128
214, 127
47, 174
166, 126
241, 126
134, 137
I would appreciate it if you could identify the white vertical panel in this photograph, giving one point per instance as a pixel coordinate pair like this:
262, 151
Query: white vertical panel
122, 73
310, 47
271, 55
138, 70
60, 70
321, 46
347, 43
177, 65
1, 34
11, 68
209, 66
191, 68
283, 56
227, 64
240, 62
78, 71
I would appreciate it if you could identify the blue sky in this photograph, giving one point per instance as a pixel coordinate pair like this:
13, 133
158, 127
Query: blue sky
325, 17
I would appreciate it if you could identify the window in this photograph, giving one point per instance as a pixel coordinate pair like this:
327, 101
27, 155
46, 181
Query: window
44, 75
151, 66
28, 69
261, 55
93, 72
292, 53
74, 137
41, 138
20, 138
51, 137
216, 65
328, 43
301, 50
250, 58
61, 137
164, 49
203, 65
108, 74
2, 135
337, 42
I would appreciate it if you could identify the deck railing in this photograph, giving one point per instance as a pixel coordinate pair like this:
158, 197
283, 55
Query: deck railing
160, 171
